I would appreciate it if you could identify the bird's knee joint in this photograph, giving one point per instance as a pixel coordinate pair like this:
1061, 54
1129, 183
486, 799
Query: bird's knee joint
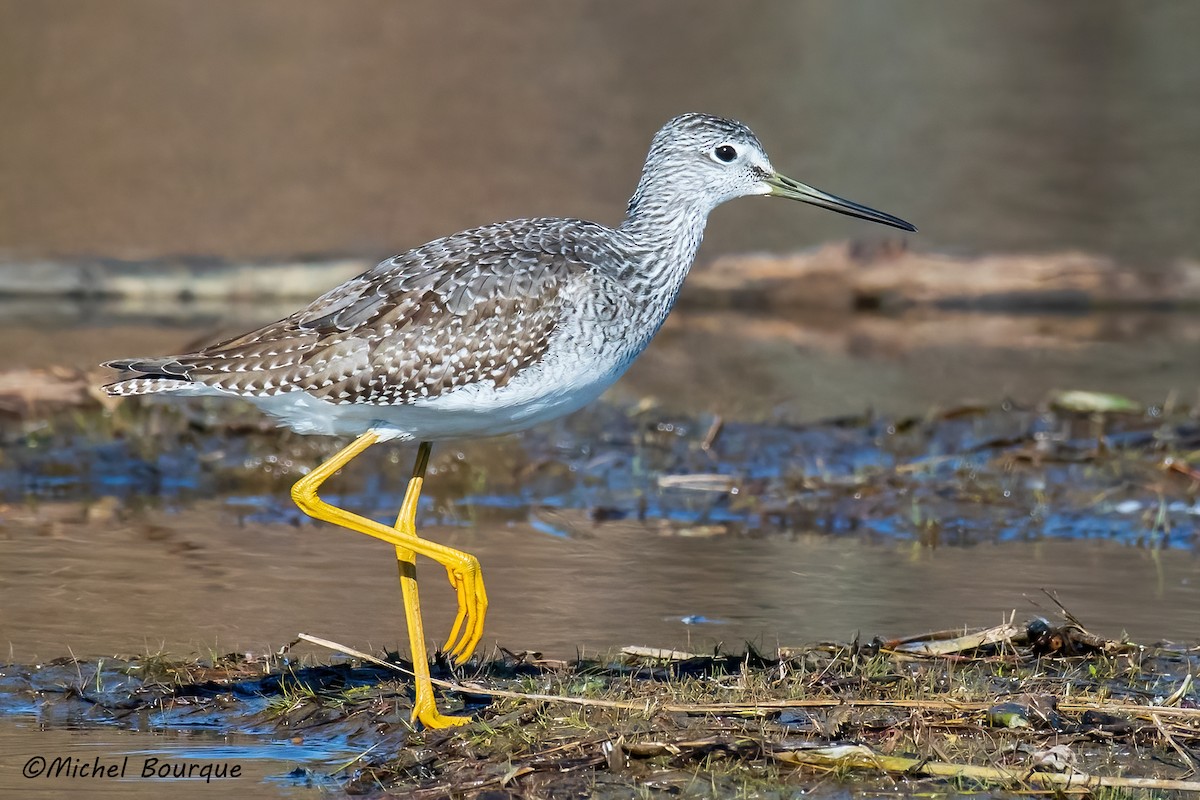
304, 495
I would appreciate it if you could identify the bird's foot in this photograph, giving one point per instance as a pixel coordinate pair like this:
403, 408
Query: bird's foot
467, 580
425, 710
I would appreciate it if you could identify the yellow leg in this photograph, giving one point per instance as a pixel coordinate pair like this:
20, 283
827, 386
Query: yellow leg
462, 568
424, 706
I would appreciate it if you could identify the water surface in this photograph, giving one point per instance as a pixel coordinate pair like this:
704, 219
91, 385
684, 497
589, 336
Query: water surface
265, 767
197, 581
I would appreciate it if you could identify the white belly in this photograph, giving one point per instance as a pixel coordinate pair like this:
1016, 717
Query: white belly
543, 392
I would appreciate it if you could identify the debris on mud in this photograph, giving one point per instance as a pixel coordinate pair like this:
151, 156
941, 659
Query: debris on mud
997, 711
1079, 465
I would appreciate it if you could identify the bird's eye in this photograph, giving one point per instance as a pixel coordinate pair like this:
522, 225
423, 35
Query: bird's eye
725, 153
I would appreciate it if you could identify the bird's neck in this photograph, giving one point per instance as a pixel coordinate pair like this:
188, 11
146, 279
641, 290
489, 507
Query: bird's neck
667, 228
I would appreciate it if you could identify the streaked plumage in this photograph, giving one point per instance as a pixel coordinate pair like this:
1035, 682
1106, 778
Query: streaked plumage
489, 330
515, 319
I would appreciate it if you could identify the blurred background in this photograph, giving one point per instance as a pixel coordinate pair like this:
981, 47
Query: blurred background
253, 128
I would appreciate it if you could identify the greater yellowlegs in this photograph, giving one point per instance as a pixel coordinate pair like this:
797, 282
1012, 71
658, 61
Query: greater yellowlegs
484, 332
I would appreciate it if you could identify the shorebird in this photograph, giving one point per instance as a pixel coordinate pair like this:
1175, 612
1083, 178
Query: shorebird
484, 332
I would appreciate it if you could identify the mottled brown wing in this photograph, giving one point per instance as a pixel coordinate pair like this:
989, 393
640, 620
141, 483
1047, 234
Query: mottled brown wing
477, 306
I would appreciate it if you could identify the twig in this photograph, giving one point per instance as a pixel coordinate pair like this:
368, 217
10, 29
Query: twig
865, 758
1179, 693
1178, 748
714, 430
1067, 615
350, 651
767, 707
458, 687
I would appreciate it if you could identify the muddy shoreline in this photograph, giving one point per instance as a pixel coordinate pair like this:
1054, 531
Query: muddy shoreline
1022, 707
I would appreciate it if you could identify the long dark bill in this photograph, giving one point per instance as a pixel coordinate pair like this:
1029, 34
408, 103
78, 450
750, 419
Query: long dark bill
783, 186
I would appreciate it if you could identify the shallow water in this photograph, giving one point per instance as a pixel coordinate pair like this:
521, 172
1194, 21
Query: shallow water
197, 581
47, 759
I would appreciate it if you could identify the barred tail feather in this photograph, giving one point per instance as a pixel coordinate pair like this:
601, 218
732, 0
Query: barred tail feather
138, 386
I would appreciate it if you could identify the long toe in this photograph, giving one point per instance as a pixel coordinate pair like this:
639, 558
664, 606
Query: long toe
467, 581
474, 625
461, 616
430, 717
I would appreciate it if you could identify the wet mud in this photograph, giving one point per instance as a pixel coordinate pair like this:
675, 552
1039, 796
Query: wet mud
1030, 706
1081, 465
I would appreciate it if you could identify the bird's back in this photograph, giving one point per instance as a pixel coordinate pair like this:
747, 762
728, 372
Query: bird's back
477, 307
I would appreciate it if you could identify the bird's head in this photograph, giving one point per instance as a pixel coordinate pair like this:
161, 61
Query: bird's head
716, 159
